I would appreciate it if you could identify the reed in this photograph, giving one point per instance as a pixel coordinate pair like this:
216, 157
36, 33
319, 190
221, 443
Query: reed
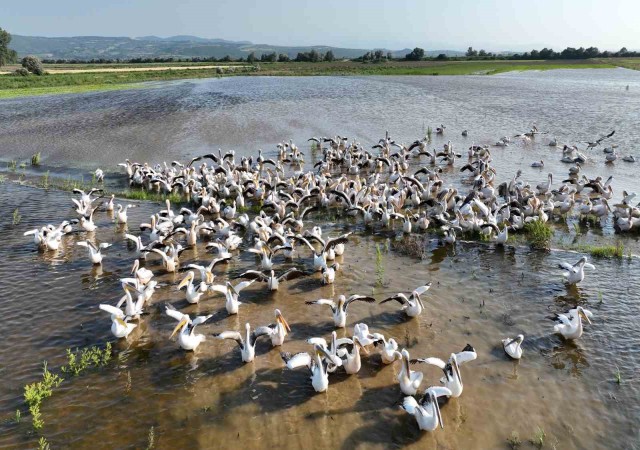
514, 441
379, 266
538, 438
16, 217
35, 159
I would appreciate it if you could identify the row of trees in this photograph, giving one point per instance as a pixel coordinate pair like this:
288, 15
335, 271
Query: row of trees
548, 53
7, 55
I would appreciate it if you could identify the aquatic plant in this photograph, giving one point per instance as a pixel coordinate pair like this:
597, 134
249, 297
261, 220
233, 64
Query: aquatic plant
18, 416
35, 393
379, 266
43, 444
86, 358
127, 385
539, 234
538, 438
12, 165
429, 133
23, 165
618, 375
44, 181
608, 251
35, 159
514, 441
2, 178
411, 245
16, 216
151, 438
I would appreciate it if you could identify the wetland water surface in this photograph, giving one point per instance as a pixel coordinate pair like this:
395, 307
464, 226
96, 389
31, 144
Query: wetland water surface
480, 293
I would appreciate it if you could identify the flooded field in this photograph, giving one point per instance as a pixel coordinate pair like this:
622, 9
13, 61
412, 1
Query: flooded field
480, 293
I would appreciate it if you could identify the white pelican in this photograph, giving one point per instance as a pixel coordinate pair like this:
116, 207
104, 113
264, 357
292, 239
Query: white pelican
276, 331
513, 347
168, 262
315, 364
427, 411
99, 175
413, 305
247, 344
108, 205
120, 327
194, 294
361, 331
187, 338
452, 378
629, 158
206, 272
351, 360
327, 252
409, 380
272, 281
339, 310
121, 213
95, 253
132, 309
538, 163
389, 352
142, 274
329, 273
575, 273
86, 221
571, 325
232, 293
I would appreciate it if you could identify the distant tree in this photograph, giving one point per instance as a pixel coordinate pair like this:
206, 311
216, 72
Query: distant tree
314, 56
441, 57
416, 54
389, 56
283, 57
6, 54
378, 56
482, 53
33, 65
623, 52
269, 57
226, 58
21, 71
329, 56
471, 52
251, 58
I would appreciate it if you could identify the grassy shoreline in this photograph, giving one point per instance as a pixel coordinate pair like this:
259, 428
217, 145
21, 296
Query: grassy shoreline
12, 86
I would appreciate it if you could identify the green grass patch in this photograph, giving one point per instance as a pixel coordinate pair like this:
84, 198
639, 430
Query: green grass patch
538, 234
602, 251
35, 159
81, 360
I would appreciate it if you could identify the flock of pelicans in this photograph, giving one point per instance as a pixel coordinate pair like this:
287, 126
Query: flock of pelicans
375, 189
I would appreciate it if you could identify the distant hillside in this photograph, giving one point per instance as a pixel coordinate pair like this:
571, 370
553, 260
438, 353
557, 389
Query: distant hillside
96, 47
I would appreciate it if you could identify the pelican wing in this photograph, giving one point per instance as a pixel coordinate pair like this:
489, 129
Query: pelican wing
240, 286
409, 404
438, 391
356, 298
201, 319
466, 355
433, 361
422, 289
254, 275
317, 341
297, 360
291, 274
258, 332
400, 298
335, 241
221, 288
172, 312
112, 310
567, 266
234, 335
323, 301
217, 261
589, 266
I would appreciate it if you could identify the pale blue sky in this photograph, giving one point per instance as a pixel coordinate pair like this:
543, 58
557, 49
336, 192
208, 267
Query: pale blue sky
442, 24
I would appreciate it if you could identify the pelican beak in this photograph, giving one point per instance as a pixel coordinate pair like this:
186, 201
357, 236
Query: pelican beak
178, 327
209, 276
280, 318
136, 265
420, 301
437, 407
357, 342
456, 367
185, 281
585, 317
121, 322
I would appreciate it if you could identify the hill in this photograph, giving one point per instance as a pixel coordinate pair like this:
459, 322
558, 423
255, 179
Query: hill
96, 47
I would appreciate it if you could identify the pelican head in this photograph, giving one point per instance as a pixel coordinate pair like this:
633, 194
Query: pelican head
186, 280
282, 321
583, 313
181, 324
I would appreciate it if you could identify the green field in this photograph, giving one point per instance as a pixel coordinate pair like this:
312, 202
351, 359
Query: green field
16, 86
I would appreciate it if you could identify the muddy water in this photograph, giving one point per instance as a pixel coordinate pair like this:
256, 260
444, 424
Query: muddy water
210, 399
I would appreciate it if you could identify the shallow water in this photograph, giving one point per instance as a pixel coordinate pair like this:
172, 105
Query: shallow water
480, 294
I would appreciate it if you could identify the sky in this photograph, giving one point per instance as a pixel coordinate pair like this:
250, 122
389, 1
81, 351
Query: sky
493, 25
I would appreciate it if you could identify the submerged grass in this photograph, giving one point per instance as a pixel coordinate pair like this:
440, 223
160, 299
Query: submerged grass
602, 251
77, 362
35, 159
539, 234
514, 441
538, 438
16, 217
